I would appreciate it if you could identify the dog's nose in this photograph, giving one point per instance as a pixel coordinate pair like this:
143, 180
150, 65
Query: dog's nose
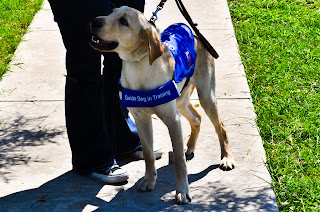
97, 23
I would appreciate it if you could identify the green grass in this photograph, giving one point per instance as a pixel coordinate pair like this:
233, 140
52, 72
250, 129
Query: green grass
15, 17
280, 48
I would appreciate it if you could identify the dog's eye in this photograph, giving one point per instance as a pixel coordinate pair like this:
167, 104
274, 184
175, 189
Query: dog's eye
123, 21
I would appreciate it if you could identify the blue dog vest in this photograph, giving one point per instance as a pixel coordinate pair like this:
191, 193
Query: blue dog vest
180, 41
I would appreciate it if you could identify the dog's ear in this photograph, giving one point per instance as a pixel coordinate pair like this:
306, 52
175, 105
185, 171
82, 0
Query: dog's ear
154, 44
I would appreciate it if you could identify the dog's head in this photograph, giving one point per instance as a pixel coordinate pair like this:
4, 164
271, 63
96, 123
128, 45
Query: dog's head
127, 32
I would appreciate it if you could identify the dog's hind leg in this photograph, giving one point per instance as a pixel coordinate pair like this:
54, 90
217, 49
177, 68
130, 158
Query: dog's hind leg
194, 118
209, 104
144, 127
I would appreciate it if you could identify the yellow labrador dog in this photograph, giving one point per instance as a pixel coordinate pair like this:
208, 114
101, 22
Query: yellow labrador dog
148, 64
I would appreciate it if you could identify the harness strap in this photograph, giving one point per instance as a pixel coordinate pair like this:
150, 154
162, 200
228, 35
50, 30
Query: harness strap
185, 84
120, 88
151, 98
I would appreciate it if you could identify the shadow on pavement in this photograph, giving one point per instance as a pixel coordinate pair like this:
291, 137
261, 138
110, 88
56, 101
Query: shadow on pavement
72, 192
22, 133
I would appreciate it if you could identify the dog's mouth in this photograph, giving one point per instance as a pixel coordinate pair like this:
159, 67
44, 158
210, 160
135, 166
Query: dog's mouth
102, 45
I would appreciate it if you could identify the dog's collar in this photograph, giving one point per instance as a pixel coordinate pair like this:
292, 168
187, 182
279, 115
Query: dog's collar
158, 96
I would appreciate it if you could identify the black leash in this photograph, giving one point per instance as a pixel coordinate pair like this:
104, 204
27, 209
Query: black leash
203, 40
186, 15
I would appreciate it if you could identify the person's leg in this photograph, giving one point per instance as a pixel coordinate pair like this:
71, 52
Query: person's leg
89, 141
137, 4
121, 128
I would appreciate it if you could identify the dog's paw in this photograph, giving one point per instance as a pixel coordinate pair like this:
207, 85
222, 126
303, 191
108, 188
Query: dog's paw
147, 185
227, 164
189, 156
182, 198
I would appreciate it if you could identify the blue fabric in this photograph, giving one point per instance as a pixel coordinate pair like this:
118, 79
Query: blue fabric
152, 98
130, 122
180, 41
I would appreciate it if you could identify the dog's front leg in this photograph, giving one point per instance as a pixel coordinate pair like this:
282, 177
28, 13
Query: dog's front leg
180, 166
144, 127
171, 119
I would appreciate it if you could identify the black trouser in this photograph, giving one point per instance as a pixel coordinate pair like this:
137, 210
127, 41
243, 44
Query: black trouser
96, 125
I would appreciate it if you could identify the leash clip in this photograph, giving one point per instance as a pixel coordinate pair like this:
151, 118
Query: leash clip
155, 13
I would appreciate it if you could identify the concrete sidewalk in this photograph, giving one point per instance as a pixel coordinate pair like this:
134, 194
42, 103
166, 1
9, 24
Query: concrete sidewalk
35, 158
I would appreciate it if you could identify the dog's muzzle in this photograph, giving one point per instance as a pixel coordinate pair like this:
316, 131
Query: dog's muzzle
102, 45
98, 43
